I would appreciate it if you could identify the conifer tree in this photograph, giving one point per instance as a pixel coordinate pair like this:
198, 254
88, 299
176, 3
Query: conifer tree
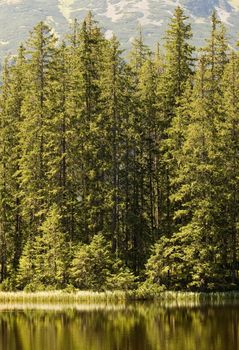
228, 151
74, 108
44, 259
198, 184
5, 196
11, 218
150, 144
178, 63
113, 99
89, 141
40, 50
51, 258
58, 153
178, 69
138, 225
139, 53
94, 267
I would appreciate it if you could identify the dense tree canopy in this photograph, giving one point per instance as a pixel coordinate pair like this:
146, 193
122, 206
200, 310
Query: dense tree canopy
103, 157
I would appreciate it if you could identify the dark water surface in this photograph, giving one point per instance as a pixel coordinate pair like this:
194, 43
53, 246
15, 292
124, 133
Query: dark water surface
119, 327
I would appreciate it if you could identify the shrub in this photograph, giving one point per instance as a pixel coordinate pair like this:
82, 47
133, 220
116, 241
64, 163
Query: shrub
95, 268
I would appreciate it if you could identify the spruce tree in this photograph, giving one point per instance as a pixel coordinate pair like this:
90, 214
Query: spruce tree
44, 260
198, 193
228, 151
113, 112
149, 150
178, 63
11, 219
138, 223
59, 129
40, 51
89, 200
5, 195
177, 71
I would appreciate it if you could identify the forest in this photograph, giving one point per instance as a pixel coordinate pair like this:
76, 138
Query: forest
120, 170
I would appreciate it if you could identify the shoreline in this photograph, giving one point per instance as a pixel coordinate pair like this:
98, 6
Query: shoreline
116, 297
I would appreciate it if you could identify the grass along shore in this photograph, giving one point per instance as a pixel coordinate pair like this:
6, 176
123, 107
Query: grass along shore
116, 297
63, 297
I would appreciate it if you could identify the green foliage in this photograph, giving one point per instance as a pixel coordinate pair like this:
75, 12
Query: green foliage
26, 269
169, 265
95, 268
44, 259
91, 264
102, 158
120, 278
173, 84
179, 57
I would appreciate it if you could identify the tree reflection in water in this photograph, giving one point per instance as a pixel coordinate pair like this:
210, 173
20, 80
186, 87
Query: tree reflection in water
125, 327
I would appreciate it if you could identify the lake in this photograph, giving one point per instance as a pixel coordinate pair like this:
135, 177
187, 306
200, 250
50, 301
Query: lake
139, 326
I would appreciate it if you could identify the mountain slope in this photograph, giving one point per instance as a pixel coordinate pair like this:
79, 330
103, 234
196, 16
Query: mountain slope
17, 17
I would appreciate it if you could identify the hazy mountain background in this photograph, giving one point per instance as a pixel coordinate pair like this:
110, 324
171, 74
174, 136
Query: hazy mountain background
17, 17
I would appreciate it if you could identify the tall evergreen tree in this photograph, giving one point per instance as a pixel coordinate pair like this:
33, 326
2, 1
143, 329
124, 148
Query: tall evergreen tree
178, 63
178, 70
228, 133
89, 122
198, 184
11, 218
5, 196
113, 99
139, 226
40, 50
59, 129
